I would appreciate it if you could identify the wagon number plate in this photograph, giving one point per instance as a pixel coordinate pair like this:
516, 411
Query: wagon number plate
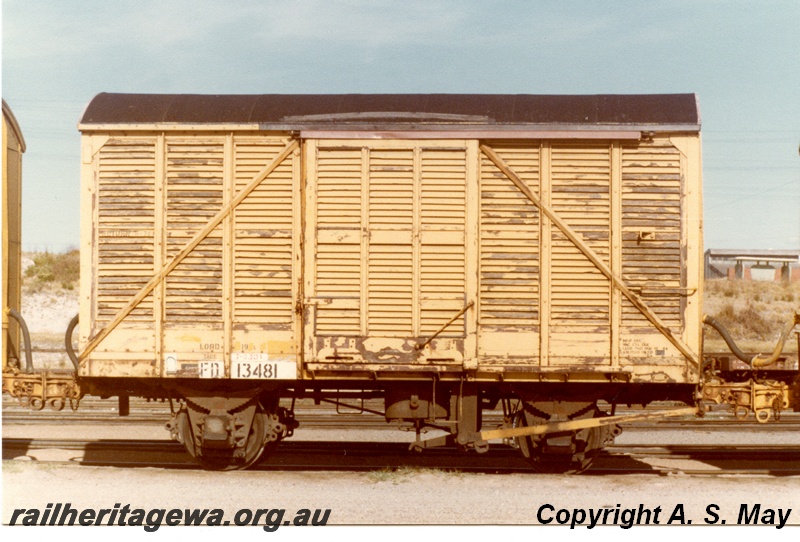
259, 366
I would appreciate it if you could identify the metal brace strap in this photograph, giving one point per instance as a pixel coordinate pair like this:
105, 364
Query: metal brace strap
576, 425
421, 346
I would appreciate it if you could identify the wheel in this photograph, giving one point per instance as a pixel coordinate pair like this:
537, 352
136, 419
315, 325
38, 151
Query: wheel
568, 452
224, 459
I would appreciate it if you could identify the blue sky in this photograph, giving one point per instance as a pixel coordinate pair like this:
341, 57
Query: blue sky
742, 58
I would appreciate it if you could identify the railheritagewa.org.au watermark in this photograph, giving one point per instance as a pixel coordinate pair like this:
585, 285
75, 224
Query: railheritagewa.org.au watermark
63, 514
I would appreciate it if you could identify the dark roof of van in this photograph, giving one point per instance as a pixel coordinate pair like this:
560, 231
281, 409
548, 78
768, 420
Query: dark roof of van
343, 111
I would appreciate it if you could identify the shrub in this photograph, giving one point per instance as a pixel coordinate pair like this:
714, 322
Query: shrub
53, 270
750, 311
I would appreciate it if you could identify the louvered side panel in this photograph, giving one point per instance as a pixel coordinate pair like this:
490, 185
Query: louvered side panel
509, 263
651, 231
390, 289
339, 189
580, 195
443, 189
509, 244
339, 251
126, 215
263, 247
194, 171
442, 260
390, 266
391, 189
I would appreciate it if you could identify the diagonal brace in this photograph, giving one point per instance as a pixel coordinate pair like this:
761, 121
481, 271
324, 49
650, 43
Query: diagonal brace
186, 250
591, 255
421, 346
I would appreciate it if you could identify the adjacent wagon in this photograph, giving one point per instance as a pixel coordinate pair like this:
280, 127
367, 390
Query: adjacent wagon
13, 149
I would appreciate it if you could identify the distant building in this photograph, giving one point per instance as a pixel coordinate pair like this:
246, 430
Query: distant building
766, 265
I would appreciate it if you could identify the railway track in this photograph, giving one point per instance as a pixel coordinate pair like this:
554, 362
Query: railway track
333, 421
310, 415
370, 456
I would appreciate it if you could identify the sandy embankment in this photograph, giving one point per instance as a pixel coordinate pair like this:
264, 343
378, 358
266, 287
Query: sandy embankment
47, 314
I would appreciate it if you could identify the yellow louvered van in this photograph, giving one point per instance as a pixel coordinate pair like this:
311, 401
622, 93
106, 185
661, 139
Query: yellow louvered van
447, 253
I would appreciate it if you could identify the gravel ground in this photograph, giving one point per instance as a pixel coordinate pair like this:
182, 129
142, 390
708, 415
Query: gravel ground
404, 496
414, 497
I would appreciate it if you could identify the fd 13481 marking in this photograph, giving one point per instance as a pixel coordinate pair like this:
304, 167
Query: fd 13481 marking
257, 365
